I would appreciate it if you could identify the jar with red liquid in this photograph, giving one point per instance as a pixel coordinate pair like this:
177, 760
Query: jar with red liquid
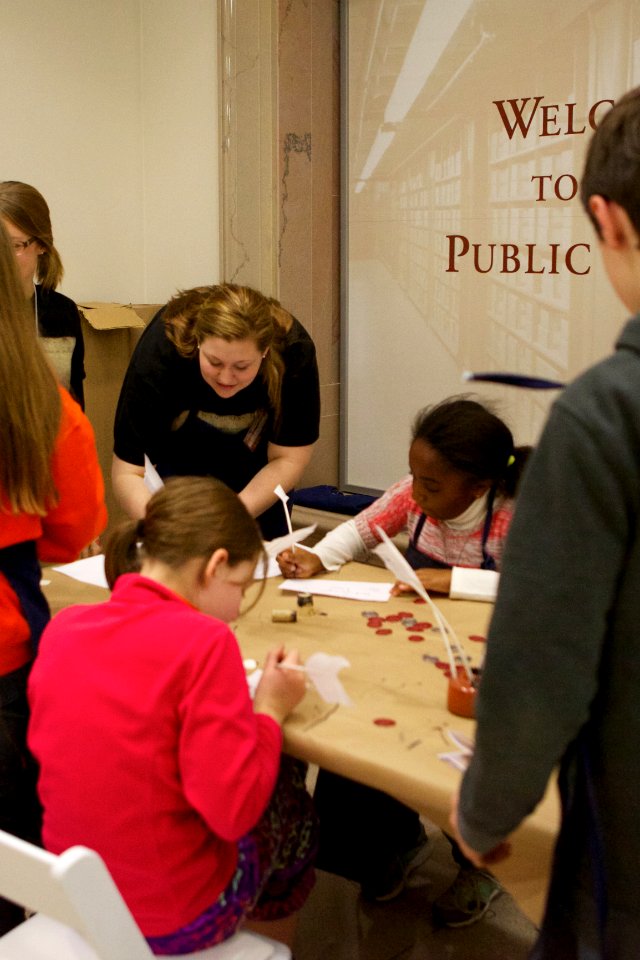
461, 694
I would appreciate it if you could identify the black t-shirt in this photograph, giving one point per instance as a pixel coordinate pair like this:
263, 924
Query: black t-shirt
167, 411
60, 330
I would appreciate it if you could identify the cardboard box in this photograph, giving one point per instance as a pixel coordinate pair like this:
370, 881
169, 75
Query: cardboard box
110, 331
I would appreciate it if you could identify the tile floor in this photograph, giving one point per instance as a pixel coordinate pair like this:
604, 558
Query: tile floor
336, 924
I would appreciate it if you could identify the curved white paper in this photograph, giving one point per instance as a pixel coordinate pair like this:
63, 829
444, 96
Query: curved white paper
322, 669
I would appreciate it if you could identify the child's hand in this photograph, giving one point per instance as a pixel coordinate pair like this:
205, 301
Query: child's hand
432, 579
299, 564
282, 685
92, 550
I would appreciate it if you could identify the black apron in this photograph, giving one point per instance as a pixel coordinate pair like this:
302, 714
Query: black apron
235, 463
417, 559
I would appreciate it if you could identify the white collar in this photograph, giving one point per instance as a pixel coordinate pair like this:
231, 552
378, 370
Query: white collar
471, 516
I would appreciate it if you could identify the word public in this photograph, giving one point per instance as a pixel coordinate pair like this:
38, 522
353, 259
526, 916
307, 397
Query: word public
548, 258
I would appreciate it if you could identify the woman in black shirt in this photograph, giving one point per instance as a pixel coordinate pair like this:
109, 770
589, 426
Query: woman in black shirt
223, 383
25, 215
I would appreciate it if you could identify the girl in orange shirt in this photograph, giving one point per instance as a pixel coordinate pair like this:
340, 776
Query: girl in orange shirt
51, 506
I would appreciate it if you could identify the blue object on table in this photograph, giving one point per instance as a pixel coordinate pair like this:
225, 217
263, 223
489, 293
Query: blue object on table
515, 380
324, 497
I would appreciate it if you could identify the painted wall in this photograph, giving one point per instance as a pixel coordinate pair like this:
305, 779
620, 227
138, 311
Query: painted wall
110, 108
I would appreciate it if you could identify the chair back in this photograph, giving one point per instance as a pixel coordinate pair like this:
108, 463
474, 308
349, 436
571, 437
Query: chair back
80, 914
74, 888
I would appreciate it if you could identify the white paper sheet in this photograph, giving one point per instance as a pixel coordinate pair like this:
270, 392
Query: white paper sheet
90, 570
345, 589
468, 583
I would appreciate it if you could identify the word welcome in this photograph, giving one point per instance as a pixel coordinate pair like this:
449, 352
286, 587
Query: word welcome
554, 118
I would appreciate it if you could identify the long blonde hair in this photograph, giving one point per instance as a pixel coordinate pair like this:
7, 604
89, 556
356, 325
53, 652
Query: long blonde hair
231, 312
30, 405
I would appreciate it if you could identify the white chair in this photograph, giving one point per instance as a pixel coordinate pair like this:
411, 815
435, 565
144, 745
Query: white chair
80, 915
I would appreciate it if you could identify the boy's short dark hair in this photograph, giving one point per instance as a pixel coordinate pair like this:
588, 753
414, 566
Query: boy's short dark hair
612, 165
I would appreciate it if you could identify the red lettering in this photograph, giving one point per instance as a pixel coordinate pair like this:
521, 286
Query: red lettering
574, 186
513, 258
476, 257
570, 129
570, 193
541, 177
452, 237
592, 113
517, 119
569, 259
510, 255
518, 109
548, 119
530, 268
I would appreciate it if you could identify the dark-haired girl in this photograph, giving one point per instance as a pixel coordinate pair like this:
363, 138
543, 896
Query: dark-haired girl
456, 504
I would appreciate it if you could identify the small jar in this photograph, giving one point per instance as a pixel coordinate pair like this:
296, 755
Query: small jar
461, 695
305, 605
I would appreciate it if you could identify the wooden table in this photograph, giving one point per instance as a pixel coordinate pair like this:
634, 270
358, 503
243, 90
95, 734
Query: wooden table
391, 677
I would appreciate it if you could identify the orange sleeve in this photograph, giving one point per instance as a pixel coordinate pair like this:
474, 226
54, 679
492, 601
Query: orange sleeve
80, 514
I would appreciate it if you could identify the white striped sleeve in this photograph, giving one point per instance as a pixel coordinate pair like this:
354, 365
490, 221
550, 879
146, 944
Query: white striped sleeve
340, 545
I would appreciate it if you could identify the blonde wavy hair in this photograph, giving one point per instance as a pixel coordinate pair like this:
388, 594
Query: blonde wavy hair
30, 405
231, 312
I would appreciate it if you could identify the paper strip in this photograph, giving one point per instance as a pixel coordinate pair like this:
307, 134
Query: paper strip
345, 589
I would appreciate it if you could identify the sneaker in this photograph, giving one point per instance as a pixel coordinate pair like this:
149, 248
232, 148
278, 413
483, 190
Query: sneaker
467, 899
389, 879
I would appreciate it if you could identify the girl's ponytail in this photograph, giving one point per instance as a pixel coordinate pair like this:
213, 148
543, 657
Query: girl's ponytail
189, 517
515, 468
122, 554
